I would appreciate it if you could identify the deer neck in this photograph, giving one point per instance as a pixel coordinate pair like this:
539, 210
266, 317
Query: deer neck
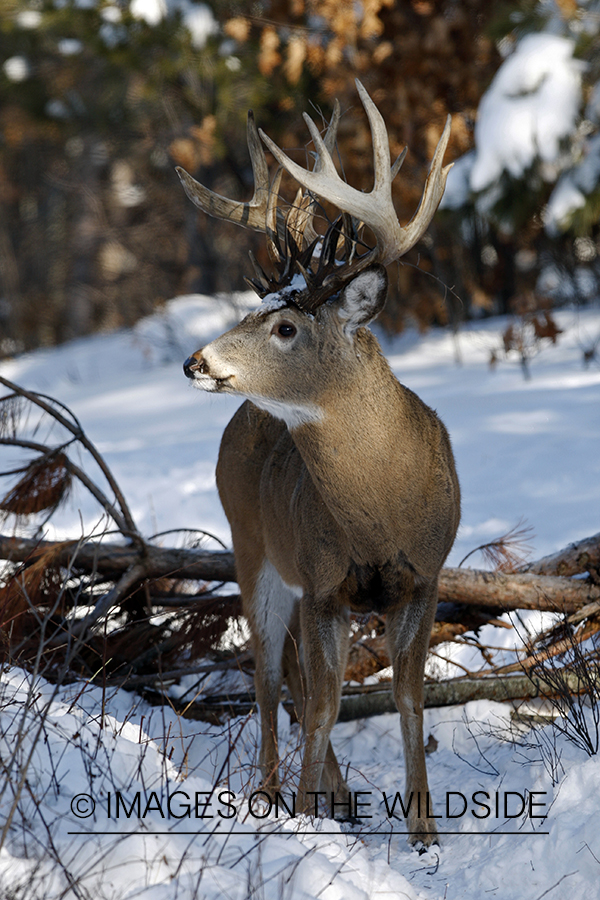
351, 453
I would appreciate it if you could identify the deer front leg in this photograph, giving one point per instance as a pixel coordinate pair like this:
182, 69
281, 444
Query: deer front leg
270, 615
408, 630
325, 640
331, 777
267, 684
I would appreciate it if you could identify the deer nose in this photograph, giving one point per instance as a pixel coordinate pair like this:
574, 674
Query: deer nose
192, 365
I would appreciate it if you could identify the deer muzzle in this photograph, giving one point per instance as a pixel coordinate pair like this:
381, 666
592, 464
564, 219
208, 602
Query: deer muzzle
204, 376
195, 365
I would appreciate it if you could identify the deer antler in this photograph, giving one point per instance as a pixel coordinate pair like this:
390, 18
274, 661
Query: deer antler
252, 214
260, 213
292, 240
376, 208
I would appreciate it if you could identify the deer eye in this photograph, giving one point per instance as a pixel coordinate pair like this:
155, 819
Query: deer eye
285, 330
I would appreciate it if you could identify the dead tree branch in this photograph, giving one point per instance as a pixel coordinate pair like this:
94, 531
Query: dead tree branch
498, 590
111, 560
164, 606
72, 424
581, 556
516, 590
375, 700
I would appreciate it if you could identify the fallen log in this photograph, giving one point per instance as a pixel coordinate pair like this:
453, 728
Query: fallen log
128, 565
516, 590
497, 590
375, 700
111, 561
142, 578
581, 556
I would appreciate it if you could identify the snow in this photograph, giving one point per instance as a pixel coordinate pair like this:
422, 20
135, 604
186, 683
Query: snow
565, 199
531, 106
525, 449
29, 18
573, 187
111, 14
161, 437
200, 22
16, 68
532, 103
150, 11
532, 111
458, 182
197, 17
278, 299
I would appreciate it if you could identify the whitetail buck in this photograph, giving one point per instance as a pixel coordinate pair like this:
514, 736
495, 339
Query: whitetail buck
338, 482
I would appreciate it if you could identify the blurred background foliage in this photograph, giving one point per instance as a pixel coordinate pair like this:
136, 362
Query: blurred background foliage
99, 99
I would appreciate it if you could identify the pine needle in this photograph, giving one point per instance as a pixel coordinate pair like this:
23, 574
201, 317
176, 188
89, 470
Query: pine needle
508, 552
44, 486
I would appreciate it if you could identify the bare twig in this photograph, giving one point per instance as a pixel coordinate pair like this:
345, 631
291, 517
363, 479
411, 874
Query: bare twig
48, 404
117, 517
132, 577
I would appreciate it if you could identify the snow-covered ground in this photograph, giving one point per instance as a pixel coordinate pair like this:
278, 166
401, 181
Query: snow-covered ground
525, 449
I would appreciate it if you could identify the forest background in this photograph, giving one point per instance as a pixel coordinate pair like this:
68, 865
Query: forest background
100, 99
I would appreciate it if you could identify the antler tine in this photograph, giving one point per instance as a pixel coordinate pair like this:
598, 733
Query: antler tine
299, 218
306, 211
331, 135
381, 144
252, 214
376, 208
273, 244
398, 164
432, 192
434, 185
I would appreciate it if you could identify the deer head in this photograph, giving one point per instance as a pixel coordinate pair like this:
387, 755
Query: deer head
315, 275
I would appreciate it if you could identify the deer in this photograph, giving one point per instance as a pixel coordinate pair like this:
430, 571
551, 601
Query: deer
338, 482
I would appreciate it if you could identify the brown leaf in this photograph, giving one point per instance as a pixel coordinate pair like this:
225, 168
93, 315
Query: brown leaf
269, 56
33, 585
508, 552
237, 28
546, 327
44, 485
431, 745
296, 54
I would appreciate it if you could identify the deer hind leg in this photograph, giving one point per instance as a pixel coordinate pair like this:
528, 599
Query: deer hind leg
331, 777
408, 630
325, 641
270, 615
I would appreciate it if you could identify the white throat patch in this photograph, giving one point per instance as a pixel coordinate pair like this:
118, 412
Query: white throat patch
293, 414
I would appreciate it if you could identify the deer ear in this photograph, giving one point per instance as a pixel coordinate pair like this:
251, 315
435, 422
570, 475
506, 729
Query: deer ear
363, 298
